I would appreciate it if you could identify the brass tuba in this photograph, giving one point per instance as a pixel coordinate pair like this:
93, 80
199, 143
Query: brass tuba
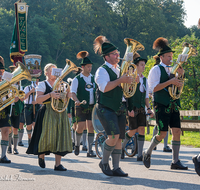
127, 67
60, 105
7, 91
191, 51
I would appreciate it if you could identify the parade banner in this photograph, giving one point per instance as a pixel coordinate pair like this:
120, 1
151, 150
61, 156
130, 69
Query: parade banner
19, 43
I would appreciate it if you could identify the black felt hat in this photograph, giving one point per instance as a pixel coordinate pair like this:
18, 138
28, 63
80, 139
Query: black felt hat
2, 66
85, 60
161, 45
137, 58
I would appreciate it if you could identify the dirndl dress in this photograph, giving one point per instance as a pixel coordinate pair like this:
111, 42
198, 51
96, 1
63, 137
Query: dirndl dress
52, 133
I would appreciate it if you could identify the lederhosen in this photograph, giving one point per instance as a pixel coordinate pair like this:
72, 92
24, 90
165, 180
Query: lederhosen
50, 137
84, 112
110, 109
137, 104
4, 118
28, 113
166, 109
15, 116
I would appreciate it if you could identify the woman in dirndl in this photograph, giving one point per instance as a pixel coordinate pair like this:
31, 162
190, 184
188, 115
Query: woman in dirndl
52, 132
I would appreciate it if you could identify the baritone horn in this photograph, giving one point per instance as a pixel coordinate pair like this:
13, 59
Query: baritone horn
129, 68
8, 91
174, 91
59, 105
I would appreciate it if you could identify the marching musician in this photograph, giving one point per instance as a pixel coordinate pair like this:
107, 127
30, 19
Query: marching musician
110, 110
15, 112
31, 107
167, 109
83, 88
166, 148
52, 130
136, 108
4, 122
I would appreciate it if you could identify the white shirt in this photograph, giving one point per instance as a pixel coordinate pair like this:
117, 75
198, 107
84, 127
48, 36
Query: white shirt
102, 77
154, 76
74, 86
27, 89
42, 87
142, 87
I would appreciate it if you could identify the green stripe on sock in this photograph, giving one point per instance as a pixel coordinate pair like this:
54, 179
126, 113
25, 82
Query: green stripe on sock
107, 147
4, 142
141, 137
127, 136
15, 136
117, 151
90, 134
155, 140
178, 143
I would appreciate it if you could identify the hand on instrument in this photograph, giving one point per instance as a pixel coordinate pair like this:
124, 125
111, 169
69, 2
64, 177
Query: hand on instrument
16, 99
175, 81
131, 114
77, 103
55, 95
69, 115
126, 79
180, 71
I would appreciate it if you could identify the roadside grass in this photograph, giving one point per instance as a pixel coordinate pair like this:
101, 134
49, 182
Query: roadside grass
190, 138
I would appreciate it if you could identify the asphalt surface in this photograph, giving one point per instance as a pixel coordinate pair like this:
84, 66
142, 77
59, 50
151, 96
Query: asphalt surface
84, 173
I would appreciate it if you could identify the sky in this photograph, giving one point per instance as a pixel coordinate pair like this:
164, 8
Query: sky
192, 8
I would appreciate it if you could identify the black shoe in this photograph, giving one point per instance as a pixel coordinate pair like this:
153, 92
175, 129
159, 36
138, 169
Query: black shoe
5, 160
123, 154
41, 162
9, 151
76, 150
84, 148
20, 143
155, 148
139, 158
106, 169
167, 149
178, 166
91, 154
146, 159
15, 151
60, 168
119, 172
196, 164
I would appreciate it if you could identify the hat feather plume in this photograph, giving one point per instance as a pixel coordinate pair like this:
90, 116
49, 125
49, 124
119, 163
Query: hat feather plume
98, 43
160, 43
82, 54
136, 55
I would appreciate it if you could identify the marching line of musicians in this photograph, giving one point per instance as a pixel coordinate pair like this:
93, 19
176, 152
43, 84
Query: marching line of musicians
50, 132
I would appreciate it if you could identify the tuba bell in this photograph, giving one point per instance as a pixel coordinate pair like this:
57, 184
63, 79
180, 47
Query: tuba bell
59, 105
174, 91
8, 92
127, 67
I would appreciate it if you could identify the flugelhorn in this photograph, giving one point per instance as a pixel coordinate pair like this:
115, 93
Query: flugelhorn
174, 91
129, 68
7, 91
59, 105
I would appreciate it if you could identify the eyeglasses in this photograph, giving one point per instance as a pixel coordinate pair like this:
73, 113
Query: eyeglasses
116, 53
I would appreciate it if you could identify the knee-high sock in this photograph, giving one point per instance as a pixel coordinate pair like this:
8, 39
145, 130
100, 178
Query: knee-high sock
175, 150
165, 140
21, 133
106, 153
155, 130
73, 136
29, 132
77, 138
153, 144
15, 140
90, 141
84, 137
4, 145
127, 138
141, 139
116, 155
10, 139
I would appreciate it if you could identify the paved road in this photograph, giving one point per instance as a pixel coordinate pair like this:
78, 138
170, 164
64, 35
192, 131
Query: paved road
84, 173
